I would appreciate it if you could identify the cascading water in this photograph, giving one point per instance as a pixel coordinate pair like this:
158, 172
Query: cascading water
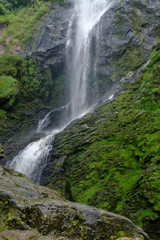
86, 15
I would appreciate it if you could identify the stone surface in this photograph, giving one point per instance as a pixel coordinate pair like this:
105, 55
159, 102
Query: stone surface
127, 33
25, 207
22, 235
95, 157
2, 155
110, 158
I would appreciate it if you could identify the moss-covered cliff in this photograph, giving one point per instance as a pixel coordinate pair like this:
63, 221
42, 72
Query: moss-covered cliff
25, 84
33, 40
110, 158
24, 87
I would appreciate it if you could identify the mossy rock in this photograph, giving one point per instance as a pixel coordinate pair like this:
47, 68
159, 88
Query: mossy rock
2, 155
24, 88
111, 156
30, 210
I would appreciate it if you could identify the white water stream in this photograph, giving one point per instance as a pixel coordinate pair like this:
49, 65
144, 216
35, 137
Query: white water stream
86, 15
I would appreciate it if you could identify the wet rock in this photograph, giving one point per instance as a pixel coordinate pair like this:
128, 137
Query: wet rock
123, 46
27, 210
127, 33
48, 43
107, 159
2, 155
22, 235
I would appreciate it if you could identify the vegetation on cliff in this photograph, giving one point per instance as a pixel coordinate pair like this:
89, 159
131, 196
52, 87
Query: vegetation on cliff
19, 25
110, 158
23, 87
18, 21
24, 84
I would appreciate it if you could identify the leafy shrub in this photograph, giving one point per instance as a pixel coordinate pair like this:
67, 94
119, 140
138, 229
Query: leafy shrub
8, 89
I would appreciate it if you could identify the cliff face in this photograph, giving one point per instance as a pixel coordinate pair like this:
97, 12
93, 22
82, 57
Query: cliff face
110, 158
27, 87
127, 34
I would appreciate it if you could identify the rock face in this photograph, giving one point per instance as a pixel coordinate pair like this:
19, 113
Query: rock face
28, 211
1, 152
110, 158
127, 31
127, 34
36, 84
48, 47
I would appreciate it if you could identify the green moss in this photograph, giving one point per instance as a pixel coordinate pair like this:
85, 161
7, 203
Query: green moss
24, 86
147, 213
25, 71
2, 114
9, 88
114, 164
7, 214
120, 234
58, 90
20, 25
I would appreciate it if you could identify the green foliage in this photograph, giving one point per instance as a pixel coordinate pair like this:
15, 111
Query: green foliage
2, 113
24, 86
11, 65
7, 86
6, 6
21, 24
9, 5
8, 89
25, 71
113, 154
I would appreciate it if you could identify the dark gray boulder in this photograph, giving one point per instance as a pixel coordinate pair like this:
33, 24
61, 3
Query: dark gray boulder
27, 210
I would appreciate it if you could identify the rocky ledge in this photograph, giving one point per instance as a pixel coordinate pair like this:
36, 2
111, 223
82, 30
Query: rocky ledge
28, 211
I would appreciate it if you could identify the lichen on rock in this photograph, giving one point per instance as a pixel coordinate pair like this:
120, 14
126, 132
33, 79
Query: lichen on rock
27, 210
111, 156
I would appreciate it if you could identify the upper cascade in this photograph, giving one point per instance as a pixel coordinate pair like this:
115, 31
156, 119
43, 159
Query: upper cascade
86, 16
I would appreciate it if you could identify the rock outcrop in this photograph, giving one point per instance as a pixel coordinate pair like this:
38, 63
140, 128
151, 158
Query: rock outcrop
127, 33
29, 211
110, 158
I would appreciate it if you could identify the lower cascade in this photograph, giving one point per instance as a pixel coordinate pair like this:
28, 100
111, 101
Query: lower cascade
83, 25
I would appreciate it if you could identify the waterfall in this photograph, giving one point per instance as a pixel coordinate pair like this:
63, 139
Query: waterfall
85, 18
87, 14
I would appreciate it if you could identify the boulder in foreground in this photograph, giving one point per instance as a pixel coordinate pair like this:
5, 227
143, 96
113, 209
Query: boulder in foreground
28, 211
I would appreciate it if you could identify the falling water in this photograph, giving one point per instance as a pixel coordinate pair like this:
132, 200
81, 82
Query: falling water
86, 15
31, 160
